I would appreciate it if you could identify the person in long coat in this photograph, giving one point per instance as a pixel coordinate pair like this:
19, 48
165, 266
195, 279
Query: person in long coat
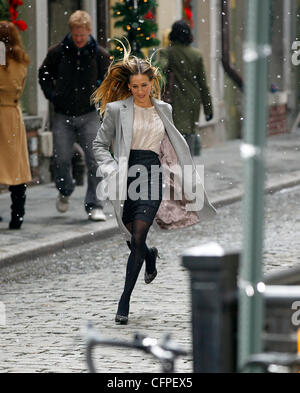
14, 162
149, 151
188, 90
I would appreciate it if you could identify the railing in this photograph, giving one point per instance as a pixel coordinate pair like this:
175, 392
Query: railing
165, 351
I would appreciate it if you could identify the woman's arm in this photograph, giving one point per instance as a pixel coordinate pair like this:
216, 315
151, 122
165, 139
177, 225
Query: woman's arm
102, 144
48, 72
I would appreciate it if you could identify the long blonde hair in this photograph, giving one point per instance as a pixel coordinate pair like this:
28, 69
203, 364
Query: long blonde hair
115, 85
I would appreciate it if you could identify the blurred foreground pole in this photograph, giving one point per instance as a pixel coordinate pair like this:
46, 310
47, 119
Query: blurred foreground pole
213, 277
251, 288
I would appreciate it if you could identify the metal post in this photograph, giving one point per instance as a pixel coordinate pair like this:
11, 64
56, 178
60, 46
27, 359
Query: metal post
213, 273
256, 52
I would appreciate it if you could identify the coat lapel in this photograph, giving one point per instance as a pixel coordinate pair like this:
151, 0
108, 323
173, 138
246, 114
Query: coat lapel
176, 139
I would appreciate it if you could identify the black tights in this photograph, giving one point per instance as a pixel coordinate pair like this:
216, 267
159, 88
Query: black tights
18, 199
139, 252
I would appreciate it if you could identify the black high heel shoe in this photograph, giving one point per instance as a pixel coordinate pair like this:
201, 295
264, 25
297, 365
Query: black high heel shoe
122, 312
16, 223
149, 277
121, 319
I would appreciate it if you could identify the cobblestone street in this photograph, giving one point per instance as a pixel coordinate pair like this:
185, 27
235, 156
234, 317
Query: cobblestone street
48, 300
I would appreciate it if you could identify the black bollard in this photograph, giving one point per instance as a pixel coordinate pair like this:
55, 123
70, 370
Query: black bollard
213, 274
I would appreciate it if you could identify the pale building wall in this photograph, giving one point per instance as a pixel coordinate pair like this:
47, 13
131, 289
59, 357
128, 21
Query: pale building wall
167, 13
207, 38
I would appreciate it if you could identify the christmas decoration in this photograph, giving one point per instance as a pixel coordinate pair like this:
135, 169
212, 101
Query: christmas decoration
188, 14
8, 11
138, 22
13, 5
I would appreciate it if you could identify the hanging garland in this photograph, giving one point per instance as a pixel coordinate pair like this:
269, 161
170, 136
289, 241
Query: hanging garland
13, 5
8, 11
188, 14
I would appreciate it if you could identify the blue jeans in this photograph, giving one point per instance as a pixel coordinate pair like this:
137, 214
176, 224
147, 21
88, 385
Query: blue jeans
66, 131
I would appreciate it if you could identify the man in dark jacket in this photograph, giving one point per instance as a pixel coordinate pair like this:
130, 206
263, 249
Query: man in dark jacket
70, 73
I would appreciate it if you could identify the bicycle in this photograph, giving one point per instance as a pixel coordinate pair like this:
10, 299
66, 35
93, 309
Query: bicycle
165, 350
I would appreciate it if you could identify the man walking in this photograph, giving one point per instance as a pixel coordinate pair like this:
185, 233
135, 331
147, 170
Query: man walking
70, 73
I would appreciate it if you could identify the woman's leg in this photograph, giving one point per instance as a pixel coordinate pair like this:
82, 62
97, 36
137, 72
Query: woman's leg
135, 261
150, 258
18, 199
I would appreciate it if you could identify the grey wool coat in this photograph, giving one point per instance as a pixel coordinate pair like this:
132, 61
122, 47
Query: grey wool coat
184, 201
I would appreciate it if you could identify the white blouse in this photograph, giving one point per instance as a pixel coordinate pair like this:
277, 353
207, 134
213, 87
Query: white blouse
148, 129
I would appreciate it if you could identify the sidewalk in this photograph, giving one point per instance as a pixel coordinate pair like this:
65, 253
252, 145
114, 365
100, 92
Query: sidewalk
45, 230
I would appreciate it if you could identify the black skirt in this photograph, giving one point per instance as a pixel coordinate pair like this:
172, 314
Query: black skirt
144, 187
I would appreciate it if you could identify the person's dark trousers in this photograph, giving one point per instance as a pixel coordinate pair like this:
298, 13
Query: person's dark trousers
194, 143
18, 199
66, 131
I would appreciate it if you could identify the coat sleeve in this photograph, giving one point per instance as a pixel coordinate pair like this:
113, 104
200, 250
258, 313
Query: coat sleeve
48, 72
163, 60
102, 143
204, 90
